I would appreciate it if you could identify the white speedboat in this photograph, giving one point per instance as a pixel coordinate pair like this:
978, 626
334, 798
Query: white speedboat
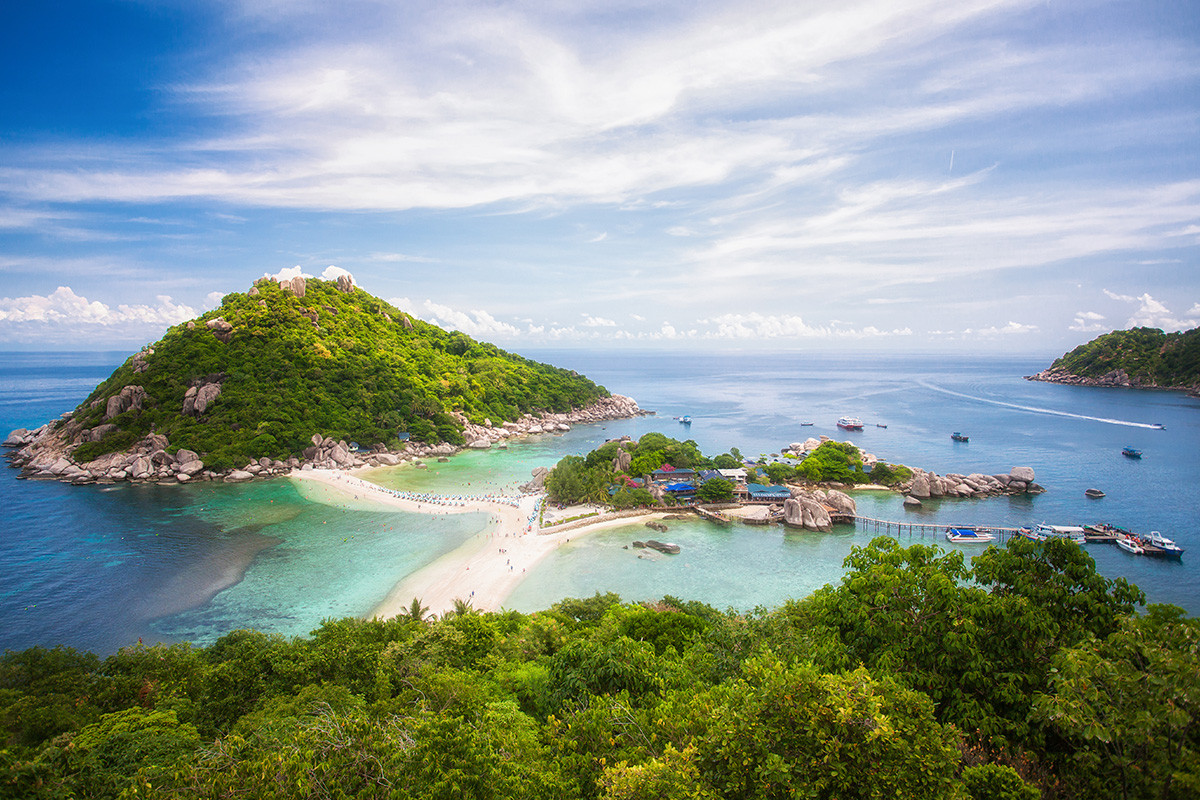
969, 536
1130, 545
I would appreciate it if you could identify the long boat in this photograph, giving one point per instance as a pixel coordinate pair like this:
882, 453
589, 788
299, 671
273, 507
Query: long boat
1131, 452
969, 536
850, 423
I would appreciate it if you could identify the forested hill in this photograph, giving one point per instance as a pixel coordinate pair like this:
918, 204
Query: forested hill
271, 366
1140, 357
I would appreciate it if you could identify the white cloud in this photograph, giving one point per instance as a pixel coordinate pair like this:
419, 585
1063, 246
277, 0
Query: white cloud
332, 273
64, 306
1151, 313
1087, 322
1007, 330
598, 322
598, 238
287, 274
788, 326
213, 299
476, 322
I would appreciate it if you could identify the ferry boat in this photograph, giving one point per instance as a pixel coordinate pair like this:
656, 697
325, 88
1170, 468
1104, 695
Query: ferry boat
969, 536
1130, 452
1130, 545
850, 423
1167, 546
958, 437
1070, 532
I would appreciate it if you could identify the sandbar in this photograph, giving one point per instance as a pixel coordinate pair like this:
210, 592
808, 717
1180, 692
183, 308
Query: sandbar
486, 568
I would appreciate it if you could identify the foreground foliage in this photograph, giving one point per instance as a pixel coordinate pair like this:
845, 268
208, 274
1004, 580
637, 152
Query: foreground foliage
915, 677
347, 365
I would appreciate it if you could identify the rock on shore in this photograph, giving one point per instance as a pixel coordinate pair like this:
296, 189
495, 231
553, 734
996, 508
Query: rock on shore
45, 453
924, 485
1117, 378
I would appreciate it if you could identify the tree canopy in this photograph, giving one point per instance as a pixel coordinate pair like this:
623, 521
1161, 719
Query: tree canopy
915, 676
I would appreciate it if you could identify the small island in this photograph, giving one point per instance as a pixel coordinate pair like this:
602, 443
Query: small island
1139, 358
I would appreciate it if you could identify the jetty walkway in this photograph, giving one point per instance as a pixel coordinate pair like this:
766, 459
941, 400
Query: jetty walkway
935, 529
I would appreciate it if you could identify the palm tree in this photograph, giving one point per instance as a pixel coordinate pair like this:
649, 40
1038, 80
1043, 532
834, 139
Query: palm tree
462, 607
416, 612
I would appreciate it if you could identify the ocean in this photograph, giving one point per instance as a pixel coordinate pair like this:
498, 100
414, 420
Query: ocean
99, 567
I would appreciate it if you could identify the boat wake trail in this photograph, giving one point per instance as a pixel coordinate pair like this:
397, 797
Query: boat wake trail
1036, 409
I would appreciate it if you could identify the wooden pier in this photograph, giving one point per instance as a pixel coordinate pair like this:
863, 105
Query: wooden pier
712, 516
935, 529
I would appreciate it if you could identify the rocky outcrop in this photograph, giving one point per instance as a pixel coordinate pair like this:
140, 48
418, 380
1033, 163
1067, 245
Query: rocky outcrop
924, 485
50, 446
130, 397
220, 328
197, 399
345, 283
803, 512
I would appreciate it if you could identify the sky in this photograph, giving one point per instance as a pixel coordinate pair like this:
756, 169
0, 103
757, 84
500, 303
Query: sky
916, 175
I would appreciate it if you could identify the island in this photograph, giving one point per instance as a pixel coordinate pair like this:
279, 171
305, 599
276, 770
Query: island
303, 372
1139, 358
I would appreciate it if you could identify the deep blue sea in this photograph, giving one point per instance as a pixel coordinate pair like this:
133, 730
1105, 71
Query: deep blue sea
98, 567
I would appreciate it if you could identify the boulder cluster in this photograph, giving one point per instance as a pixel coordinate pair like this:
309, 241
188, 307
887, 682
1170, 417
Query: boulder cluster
45, 453
815, 509
481, 437
1117, 378
924, 485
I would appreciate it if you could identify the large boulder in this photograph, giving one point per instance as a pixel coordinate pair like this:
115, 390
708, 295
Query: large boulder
190, 467
345, 283
800, 512
197, 399
622, 461
17, 438
130, 397
238, 476
920, 485
1023, 474
842, 502
478, 444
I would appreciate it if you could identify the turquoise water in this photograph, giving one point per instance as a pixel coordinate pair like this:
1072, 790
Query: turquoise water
98, 567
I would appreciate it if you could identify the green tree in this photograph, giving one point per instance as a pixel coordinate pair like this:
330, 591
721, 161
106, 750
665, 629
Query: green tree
1131, 703
715, 490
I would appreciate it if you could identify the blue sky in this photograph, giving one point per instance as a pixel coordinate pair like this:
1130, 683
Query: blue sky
869, 174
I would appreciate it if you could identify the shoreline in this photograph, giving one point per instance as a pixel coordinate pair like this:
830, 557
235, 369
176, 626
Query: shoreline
485, 569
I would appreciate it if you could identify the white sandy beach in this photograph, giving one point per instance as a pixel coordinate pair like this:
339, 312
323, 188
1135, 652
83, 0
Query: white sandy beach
486, 568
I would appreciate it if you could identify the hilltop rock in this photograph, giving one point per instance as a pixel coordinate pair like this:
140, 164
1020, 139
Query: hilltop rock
1024, 474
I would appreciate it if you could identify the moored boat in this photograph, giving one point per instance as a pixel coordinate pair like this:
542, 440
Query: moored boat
958, 437
969, 536
1167, 546
1030, 534
1130, 545
850, 423
1131, 452
1070, 532
1093, 493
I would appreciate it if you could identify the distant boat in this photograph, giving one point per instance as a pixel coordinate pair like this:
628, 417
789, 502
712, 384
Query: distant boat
969, 536
850, 423
1158, 426
958, 437
1130, 452
878, 425
806, 424
1093, 493
685, 420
